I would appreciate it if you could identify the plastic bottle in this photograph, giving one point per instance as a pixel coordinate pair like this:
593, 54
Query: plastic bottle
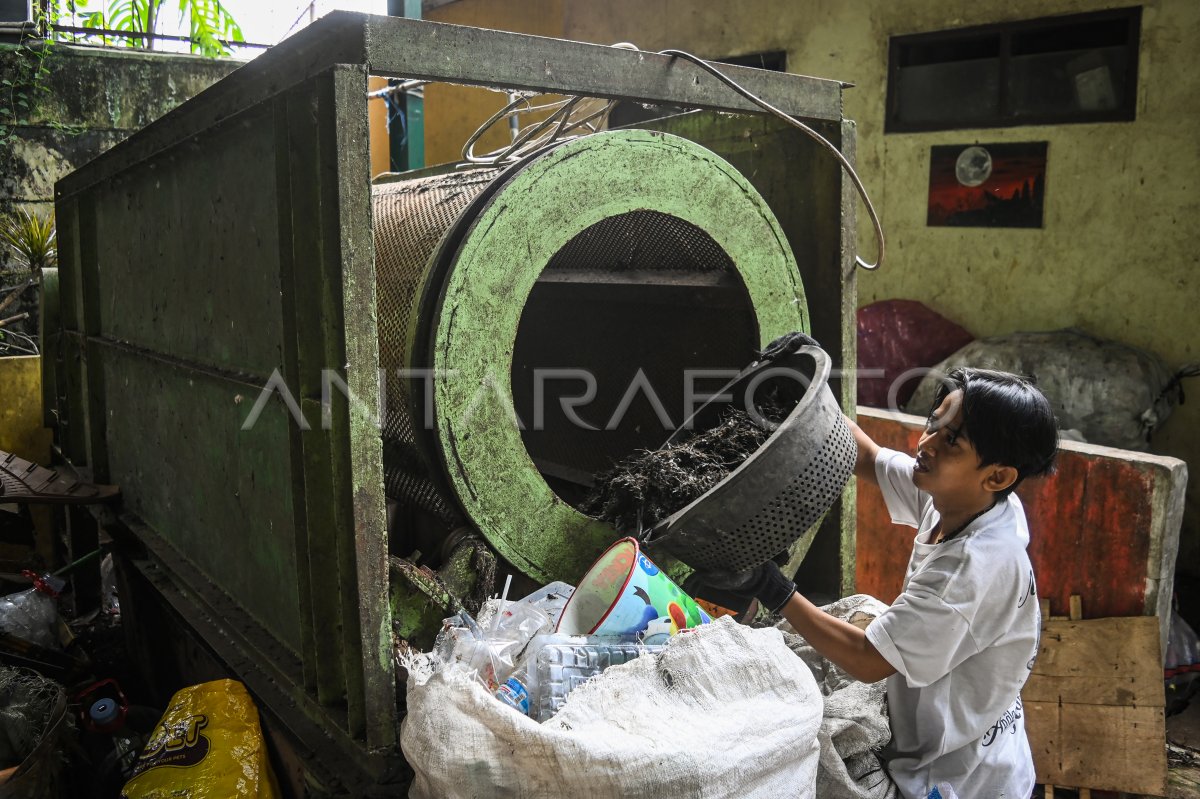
514, 692
32, 615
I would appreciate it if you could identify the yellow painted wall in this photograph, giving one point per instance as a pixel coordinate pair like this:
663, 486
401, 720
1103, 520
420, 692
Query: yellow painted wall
452, 113
381, 153
22, 434
1117, 255
21, 431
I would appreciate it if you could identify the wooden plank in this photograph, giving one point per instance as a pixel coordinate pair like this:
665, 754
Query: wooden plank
1098, 662
1098, 746
1094, 705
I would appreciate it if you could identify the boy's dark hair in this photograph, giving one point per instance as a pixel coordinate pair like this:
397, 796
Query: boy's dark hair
1008, 420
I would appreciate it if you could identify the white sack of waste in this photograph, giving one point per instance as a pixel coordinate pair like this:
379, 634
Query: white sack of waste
723, 711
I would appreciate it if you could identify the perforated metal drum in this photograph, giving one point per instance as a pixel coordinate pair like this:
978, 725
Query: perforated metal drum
627, 256
782, 489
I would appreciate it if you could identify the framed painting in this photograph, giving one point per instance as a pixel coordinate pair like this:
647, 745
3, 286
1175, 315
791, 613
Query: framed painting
987, 185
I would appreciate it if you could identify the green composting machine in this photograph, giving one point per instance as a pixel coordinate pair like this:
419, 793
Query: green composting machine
337, 409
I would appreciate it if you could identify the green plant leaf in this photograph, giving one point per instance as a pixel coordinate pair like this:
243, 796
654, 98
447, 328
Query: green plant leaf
31, 237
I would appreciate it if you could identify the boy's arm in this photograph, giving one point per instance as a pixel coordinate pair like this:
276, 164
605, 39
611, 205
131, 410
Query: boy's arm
837, 640
864, 465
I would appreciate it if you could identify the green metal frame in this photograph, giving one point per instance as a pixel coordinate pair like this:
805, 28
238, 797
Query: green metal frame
232, 238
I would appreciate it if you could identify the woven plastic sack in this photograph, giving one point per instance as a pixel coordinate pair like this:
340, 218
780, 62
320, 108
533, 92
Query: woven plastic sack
722, 711
897, 336
1108, 392
208, 745
855, 725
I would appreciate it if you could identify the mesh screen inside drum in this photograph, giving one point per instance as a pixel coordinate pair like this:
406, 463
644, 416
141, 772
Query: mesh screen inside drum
642, 291
410, 218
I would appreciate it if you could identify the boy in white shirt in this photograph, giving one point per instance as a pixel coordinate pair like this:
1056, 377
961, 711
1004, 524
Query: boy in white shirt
959, 642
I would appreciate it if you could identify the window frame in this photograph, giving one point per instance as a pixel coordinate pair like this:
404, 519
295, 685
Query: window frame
1126, 110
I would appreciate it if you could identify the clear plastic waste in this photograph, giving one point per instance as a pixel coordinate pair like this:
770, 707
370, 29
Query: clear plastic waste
32, 615
556, 664
491, 648
512, 652
551, 599
514, 691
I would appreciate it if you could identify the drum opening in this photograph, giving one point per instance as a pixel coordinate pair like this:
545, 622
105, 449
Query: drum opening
631, 325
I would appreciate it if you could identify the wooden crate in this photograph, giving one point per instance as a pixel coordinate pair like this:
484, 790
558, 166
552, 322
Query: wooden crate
1095, 707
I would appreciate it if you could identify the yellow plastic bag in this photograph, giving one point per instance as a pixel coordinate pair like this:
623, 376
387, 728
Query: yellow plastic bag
208, 745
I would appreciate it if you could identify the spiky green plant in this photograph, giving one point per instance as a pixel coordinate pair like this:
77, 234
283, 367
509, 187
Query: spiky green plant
31, 238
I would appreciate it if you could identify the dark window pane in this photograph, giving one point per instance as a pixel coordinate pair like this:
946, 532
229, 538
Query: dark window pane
946, 50
15, 11
1079, 36
1078, 68
1057, 83
953, 92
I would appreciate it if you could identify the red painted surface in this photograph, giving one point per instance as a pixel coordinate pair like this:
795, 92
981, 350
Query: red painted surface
1089, 524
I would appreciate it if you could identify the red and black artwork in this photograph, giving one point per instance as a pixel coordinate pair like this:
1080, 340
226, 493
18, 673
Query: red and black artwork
987, 185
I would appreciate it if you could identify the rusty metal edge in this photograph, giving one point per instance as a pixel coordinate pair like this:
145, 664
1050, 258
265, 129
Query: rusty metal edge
417, 49
848, 521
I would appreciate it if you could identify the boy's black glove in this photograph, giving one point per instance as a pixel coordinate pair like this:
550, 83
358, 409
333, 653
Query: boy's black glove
786, 345
765, 582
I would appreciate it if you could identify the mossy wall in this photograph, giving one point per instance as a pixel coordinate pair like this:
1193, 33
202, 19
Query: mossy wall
88, 100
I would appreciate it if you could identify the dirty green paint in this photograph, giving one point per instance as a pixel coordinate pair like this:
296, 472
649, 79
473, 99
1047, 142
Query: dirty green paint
203, 213
216, 493
363, 544
458, 575
418, 603
541, 209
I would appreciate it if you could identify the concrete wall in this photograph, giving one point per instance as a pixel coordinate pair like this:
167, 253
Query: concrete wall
96, 98
1116, 255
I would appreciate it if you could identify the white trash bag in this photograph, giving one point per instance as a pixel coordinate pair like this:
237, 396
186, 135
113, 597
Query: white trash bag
722, 711
1107, 392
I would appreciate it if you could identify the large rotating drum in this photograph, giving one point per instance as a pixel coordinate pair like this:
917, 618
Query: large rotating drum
540, 322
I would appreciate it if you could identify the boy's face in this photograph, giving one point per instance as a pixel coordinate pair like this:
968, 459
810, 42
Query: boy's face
947, 465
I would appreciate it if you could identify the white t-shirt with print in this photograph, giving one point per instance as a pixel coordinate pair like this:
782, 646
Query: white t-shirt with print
963, 637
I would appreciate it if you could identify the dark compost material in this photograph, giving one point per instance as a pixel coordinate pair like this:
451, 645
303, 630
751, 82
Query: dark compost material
650, 485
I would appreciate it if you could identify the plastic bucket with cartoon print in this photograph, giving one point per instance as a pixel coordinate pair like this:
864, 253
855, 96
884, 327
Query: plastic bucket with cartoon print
623, 592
